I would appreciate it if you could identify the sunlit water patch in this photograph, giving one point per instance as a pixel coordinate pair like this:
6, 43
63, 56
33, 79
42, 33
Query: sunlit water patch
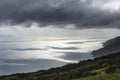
47, 49
32, 55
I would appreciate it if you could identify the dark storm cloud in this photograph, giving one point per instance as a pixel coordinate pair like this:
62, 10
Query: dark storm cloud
28, 49
56, 12
65, 48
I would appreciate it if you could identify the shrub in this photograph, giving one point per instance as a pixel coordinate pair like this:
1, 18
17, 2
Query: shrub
111, 69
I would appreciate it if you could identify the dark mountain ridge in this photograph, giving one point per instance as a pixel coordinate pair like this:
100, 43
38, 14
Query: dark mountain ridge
110, 46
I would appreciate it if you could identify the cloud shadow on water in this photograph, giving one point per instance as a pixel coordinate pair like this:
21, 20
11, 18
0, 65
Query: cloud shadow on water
76, 56
28, 49
64, 48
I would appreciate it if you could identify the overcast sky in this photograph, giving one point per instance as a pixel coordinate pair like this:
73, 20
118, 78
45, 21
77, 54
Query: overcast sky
81, 13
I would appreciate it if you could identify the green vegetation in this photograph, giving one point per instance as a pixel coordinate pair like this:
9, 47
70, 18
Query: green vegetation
115, 76
103, 68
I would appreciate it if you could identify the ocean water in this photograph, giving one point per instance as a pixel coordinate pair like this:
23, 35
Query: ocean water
18, 56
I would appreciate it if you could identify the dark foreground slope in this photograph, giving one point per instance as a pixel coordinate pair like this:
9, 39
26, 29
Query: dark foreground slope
110, 46
103, 68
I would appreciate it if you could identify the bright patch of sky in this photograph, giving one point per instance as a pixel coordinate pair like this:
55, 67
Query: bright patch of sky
105, 5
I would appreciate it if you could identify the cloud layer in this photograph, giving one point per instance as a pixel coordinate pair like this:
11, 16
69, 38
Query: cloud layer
81, 13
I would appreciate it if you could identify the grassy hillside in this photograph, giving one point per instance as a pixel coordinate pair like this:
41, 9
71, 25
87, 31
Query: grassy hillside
103, 68
115, 76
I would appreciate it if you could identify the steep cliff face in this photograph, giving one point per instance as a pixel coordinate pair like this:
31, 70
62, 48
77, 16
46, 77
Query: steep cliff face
110, 46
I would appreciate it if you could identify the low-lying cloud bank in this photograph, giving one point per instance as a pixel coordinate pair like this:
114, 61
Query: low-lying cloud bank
81, 13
